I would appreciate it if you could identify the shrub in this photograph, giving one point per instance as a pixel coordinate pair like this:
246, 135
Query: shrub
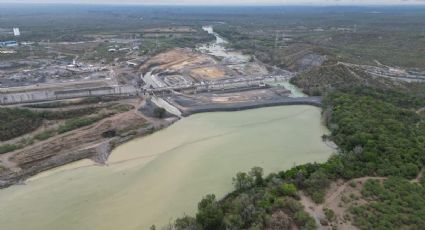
304, 219
44, 135
329, 213
209, 215
242, 181
77, 123
186, 223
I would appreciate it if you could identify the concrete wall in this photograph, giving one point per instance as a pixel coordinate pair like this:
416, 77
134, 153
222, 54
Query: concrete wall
49, 95
314, 101
167, 106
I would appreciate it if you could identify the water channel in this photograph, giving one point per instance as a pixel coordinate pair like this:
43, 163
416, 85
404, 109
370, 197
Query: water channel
157, 178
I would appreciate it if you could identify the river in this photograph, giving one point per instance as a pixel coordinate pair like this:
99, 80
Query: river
154, 179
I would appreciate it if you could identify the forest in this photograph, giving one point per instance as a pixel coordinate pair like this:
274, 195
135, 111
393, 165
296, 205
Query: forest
16, 121
395, 204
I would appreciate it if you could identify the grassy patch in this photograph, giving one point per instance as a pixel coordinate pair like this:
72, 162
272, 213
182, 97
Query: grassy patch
8, 148
76, 123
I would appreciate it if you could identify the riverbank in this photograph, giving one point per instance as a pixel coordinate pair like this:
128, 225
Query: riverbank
228, 107
41, 157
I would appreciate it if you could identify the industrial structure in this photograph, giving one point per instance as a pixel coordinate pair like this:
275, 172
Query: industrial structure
16, 32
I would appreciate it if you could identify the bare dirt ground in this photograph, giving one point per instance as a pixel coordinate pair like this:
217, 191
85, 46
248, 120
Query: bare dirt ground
339, 198
187, 100
421, 111
176, 29
418, 177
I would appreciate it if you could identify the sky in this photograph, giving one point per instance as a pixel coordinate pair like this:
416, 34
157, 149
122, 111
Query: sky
228, 2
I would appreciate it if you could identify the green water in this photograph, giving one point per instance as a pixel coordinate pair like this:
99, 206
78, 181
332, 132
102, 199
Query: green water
154, 179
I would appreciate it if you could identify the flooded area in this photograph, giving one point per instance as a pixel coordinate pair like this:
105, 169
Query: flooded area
154, 179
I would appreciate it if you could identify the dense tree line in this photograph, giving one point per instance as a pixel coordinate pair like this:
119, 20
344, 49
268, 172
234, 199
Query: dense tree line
394, 204
256, 203
376, 137
83, 101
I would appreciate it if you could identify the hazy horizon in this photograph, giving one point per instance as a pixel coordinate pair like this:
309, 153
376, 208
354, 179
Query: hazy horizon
222, 2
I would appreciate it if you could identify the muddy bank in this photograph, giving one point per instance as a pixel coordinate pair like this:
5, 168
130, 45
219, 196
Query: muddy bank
151, 179
85, 143
216, 107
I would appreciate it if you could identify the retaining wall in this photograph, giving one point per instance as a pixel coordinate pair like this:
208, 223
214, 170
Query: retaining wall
314, 101
8, 98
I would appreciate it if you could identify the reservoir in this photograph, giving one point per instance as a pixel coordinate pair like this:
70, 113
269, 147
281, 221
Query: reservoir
154, 179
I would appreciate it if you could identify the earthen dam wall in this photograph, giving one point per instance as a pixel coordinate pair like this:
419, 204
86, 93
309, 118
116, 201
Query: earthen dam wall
10, 98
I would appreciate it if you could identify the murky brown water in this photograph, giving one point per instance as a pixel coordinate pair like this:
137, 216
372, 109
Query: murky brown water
154, 179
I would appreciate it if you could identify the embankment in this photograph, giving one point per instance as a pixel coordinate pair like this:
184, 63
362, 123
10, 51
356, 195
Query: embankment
223, 107
85, 143
10, 97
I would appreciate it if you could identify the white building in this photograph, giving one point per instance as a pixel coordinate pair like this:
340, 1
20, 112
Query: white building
16, 32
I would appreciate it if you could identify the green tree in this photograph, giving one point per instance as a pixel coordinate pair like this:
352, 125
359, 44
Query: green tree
159, 112
242, 181
187, 223
302, 218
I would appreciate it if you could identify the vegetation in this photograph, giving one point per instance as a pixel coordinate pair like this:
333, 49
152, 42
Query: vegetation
15, 122
18, 122
394, 204
374, 122
45, 135
378, 136
349, 34
84, 101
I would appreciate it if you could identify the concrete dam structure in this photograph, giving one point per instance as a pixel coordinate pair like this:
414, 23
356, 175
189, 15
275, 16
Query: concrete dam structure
10, 98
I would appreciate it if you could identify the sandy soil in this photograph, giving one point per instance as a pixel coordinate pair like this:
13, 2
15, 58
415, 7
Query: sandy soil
199, 66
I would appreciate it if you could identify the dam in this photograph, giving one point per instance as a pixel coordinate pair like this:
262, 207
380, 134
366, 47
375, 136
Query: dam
160, 177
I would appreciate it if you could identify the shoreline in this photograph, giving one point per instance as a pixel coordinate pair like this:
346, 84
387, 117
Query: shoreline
231, 107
